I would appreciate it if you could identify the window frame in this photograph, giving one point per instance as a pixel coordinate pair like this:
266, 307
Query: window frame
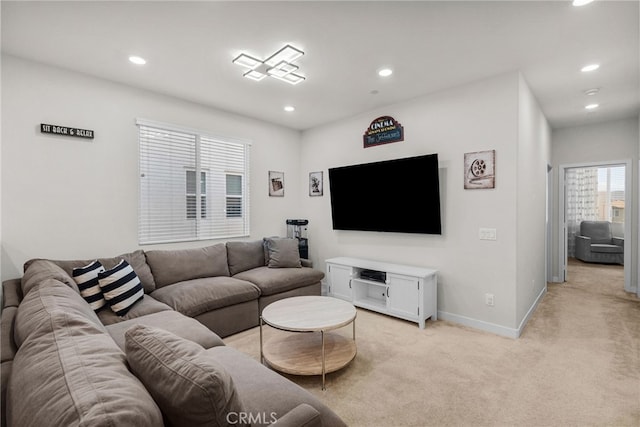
207, 227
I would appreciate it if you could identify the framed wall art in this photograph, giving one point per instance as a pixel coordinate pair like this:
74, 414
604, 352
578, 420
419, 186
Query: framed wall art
276, 184
480, 170
315, 184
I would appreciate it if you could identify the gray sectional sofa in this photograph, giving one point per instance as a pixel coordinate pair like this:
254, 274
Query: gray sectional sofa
163, 362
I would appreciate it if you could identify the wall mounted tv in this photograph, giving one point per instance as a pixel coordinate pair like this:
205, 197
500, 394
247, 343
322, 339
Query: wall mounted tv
400, 195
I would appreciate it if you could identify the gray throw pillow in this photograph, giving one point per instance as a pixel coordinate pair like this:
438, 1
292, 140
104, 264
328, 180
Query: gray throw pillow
283, 252
189, 385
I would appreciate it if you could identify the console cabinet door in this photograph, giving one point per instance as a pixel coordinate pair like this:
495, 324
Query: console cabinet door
403, 295
339, 281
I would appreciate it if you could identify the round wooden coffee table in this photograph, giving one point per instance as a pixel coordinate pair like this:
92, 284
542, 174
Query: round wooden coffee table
313, 350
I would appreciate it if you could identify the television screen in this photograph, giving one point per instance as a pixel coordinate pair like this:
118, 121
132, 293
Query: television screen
400, 195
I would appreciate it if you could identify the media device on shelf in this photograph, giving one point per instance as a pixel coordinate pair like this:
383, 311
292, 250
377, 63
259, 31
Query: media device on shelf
400, 195
374, 275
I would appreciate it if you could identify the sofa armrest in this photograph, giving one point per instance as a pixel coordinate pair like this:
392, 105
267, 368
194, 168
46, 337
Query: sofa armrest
303, 415
583, 247
306, 262
618, 241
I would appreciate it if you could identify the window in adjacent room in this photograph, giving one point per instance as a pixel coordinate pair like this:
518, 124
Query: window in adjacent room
234, 196
193, 185
192, 194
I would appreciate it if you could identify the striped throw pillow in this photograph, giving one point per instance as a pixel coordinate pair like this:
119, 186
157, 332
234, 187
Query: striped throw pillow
121, 287
87, 280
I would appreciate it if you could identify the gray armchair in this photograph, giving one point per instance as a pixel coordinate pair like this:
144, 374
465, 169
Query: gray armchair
595, 243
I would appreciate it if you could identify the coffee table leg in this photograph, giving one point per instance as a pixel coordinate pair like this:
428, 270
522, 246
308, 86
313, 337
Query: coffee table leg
261, 355
323, 367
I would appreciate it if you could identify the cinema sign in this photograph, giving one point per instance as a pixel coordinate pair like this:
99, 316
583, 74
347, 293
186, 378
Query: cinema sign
383, 130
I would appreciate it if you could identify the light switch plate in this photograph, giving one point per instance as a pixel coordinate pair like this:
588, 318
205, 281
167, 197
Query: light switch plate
487, 234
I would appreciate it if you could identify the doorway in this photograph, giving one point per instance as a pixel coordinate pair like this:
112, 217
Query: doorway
595, 191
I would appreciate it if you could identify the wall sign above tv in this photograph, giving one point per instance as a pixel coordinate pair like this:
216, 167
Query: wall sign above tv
383, 130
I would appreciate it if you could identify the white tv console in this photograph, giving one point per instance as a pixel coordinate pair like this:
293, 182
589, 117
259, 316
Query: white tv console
407, 292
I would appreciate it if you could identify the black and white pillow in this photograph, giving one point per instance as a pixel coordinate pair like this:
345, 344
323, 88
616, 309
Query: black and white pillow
87, 280
121, 287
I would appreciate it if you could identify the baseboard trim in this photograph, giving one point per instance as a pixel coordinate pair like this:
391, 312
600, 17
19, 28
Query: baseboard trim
492, 327
532, 309
479, 324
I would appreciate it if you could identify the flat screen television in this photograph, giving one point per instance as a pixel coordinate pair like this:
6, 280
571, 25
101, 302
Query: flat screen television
400, 195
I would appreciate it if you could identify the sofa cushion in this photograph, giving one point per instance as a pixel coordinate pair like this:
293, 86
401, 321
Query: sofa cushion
136, 259
147, 305
87, 280
172, 321
197, 296
39, 270
283, 252
72, 373
607, 249
174, 266
190, 386
11, 293
5, 373
275, 280
45, 298
265, 391
243, 256
598, 231
121, 287
8, 344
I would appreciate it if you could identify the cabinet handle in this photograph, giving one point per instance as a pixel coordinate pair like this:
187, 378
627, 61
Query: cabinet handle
387, 292
349, 283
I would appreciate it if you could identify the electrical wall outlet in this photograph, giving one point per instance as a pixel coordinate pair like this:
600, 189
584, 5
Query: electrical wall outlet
488, 299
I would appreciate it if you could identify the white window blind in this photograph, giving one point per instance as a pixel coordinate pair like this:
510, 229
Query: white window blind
171, 196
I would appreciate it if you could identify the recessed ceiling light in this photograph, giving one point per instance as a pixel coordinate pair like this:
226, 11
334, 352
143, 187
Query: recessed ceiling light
137, 60
581, 2
289, 108
590, 67
385, 72
591, 106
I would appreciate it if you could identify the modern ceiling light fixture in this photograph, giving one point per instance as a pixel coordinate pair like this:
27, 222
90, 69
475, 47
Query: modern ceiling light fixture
279, 65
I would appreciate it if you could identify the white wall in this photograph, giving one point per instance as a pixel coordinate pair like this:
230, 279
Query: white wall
534, 156
67, 198
475, 117
600, 142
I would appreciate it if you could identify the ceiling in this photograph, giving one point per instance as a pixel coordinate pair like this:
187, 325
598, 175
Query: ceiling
431, 46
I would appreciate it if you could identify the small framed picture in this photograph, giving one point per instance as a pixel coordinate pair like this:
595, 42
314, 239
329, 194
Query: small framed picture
480, 170
315, 184
276, 184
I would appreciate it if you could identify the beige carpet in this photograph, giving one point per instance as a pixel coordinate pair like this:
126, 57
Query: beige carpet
576, 364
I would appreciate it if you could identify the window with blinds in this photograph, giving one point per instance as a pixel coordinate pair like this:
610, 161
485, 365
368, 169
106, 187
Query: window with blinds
193, 186
611, 193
